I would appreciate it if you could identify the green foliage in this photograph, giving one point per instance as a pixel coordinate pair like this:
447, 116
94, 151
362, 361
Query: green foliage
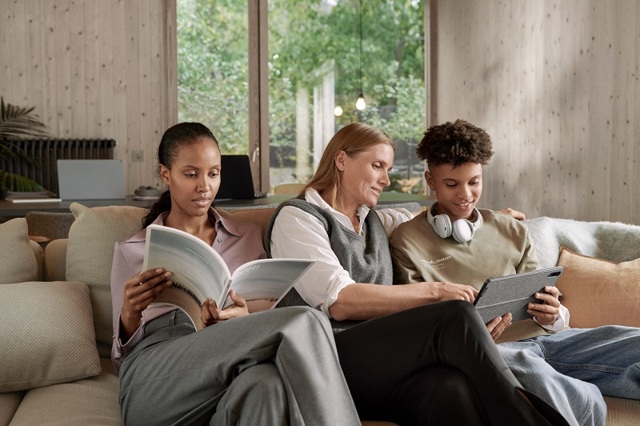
18, 123
213, 68
308, 39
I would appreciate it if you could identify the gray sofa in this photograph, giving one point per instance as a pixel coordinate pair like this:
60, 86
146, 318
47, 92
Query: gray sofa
56, 316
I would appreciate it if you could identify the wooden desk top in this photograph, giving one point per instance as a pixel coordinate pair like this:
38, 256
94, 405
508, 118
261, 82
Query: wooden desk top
10, 210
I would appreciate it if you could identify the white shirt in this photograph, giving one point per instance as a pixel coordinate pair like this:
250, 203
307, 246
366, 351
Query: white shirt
299, 234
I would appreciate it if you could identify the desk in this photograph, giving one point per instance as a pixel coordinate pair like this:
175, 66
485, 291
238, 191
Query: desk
10, 210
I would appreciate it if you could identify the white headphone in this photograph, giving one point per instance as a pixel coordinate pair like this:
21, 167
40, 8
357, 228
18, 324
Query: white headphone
462, 230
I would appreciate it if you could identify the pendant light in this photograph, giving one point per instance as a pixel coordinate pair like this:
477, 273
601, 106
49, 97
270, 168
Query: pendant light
360, 103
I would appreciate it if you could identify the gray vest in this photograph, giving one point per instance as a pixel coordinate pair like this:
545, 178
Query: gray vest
368, 260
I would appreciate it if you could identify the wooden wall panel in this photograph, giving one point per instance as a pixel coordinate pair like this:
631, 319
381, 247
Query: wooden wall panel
94, 69
555, 84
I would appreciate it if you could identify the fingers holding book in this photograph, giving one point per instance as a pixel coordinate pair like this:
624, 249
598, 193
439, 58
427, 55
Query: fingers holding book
139, 291
211, 314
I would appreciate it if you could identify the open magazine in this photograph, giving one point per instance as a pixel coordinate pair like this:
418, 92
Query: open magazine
199, 272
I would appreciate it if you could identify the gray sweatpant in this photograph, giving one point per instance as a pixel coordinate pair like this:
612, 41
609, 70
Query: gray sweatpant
275, 367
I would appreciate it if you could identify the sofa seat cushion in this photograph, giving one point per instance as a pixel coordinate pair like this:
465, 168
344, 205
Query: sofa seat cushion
18, 262
598, 292
47, 335
9, 403
622, 412
92, 401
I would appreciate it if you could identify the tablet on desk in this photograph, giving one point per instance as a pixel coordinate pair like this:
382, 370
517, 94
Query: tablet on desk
512, 293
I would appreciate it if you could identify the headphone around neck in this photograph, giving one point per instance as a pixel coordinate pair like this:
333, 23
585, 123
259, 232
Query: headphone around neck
462, 230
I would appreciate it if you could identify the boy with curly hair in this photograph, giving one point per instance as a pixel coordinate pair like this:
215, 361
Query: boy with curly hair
456, 242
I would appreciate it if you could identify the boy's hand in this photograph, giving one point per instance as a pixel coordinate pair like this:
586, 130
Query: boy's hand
546, 312
211, 314
498, 325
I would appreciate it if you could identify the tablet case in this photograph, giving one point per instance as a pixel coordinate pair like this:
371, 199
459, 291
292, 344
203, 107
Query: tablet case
512, 293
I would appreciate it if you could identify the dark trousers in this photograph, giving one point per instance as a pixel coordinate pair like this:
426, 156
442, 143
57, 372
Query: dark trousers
436, 364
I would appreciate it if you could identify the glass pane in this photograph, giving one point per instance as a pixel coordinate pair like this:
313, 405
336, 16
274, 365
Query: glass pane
213, 69
319, 64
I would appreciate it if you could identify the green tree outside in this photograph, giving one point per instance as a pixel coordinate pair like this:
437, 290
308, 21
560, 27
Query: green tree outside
307, 39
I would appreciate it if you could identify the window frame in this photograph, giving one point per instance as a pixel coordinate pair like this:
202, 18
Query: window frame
258, 84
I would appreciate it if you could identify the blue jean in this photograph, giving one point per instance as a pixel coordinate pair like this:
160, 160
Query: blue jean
572, 369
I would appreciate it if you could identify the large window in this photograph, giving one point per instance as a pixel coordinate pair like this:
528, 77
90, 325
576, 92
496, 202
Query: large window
321, 55
213, 69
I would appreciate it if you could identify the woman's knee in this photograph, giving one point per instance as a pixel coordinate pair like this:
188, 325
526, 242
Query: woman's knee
439, 395
259, 387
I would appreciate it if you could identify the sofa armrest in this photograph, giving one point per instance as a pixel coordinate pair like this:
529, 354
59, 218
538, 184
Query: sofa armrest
56, 260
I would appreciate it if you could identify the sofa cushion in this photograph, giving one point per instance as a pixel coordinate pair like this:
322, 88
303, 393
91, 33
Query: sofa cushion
47, 334
260, 217
92, 237
18, 261
9, 403
599, 292
92, 401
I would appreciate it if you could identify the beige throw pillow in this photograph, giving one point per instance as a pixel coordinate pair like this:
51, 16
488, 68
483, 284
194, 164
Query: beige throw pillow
18, 262
47, 335
598, 292
90, 253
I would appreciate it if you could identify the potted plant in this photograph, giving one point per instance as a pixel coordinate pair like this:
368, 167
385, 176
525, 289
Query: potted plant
17, 123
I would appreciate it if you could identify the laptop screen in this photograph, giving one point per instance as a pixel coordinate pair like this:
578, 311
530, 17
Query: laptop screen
91, 179
237, 180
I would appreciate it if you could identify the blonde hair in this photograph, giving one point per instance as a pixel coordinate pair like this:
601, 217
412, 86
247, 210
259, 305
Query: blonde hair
352, 139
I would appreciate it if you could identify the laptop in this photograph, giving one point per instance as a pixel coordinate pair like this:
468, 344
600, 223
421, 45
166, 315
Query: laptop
91, 179
237, 180
512, 293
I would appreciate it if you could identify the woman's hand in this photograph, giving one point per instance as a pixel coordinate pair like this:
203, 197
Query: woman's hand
139, 291
497, 325
451, 291
546, 312
513, 213
210, 314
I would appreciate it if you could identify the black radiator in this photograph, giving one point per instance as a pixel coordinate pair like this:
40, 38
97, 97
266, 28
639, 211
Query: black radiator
45, 152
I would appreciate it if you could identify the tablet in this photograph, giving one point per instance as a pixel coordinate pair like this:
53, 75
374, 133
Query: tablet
512, 293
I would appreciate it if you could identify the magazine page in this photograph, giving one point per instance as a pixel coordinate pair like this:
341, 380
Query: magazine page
268, 278
196, 267
185, 301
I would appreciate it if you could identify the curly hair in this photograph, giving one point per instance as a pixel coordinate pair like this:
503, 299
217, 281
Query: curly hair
455, 143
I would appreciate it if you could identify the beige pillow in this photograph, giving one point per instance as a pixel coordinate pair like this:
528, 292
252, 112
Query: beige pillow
90, 254
18, 262
598, 292
47, 335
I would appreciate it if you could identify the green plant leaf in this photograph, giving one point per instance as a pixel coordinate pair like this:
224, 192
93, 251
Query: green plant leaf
14, 182
18, 123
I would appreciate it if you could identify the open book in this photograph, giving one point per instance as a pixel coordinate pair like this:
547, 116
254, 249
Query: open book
199, 272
